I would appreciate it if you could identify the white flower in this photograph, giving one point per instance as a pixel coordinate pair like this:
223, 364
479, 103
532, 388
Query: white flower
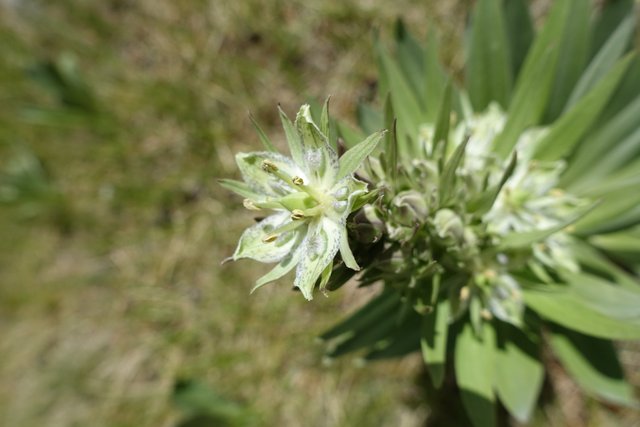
310, 194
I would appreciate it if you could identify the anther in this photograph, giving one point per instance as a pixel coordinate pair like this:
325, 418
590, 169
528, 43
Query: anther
297, 215
269, 166
486, 314
249, 204
297, 180
269, 238
464, 293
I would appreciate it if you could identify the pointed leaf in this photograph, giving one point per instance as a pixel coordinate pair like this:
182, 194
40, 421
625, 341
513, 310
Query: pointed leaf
520, 32
519, 372
435, 79
488, 75
352, 159
604, 61
533, 86
475, 373
560, 306
379, 307
447, 180
293, 139
263, 137
572, 56
568, 130
605, 150
593, 364
435, 328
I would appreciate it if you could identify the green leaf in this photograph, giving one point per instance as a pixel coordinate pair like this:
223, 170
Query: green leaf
263, 137
324, 118
448, 177
435, 79
378, 308
559, 305
568, 130
594, 261
519, 372
607, 298
435, 328
441, 133
612, 15
617, 210
409, 54
604, 61
405, 340
391, 140
293, 139
475, 372
608, 148
520, 32
572, 55
488, 76
352, 159
593, 364
625, 243
405, 102
533, 86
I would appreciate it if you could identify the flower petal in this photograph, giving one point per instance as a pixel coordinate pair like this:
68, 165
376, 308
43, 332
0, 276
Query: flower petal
260, 181
285, 266
252, 244
320, 160
318, 250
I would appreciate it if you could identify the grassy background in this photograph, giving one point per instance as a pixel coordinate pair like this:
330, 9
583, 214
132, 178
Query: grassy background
112, 226
116, 118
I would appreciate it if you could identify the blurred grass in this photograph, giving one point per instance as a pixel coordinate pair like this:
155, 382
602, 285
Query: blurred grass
116, 117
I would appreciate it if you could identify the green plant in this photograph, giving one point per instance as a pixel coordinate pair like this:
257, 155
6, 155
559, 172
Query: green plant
502, 212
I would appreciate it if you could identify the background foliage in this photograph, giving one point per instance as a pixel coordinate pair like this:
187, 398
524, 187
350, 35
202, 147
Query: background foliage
116, 117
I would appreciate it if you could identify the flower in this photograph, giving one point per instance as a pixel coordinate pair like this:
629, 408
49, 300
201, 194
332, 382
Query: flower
310, 196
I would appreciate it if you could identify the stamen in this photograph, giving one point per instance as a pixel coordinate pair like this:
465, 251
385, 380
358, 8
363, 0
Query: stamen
250, 205
269, 238
464, 293
269, 166
297, 214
